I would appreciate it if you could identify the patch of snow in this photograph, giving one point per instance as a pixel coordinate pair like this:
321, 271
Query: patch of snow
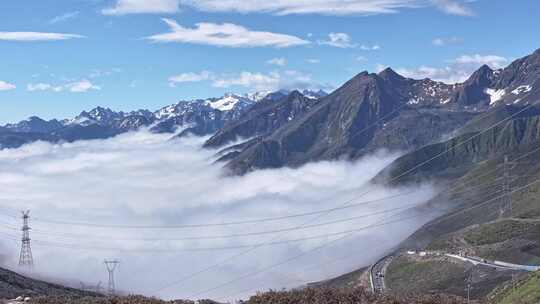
166, 112
83, 121
226, 103
413, 102
257, 96
446, 101
522, 89
495, 95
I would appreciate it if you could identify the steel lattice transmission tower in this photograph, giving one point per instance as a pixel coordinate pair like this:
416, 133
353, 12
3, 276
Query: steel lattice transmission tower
111, 267
25, 258
506, 204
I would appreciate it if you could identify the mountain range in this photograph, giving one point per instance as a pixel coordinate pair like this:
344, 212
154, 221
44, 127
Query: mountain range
456, 136
200, 117
373, 111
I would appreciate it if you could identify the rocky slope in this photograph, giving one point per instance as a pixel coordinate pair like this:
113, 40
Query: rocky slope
263, 118
384, 110
13, 285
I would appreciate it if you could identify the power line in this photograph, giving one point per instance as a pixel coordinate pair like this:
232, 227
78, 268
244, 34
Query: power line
233, 223
238, 235
365, 193
94, 248
328, 243
234, 256
254, 221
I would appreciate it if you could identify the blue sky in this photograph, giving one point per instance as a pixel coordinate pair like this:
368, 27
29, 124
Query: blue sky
63, 56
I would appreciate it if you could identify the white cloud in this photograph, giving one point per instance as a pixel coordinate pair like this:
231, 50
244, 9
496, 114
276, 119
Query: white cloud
65, 17
147, 179
254, 81
81, 86
36, 36
97, 73
453, 7
361, 59
277, 61
125, 7
477, 59
458, 70
273, 81
190, 77
6, 86
442, 41
42, 87
374, 47
257, 81
313, 60
339, 40
323, 7
225, 35
445, 74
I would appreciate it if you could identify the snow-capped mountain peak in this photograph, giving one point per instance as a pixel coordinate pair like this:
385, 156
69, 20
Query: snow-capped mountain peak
227, 102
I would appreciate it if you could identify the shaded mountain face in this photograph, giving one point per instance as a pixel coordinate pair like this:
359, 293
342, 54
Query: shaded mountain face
34, 125
518, 84
263, 118
370, 111
385, 110
454, 157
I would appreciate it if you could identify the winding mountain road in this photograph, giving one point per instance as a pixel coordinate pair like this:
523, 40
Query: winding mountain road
377, 271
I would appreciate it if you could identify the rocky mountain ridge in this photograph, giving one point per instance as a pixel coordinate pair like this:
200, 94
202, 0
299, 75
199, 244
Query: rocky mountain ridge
201, 117
384, 110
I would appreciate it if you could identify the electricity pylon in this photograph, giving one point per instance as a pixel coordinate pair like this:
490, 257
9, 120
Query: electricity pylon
111, 267
25, 258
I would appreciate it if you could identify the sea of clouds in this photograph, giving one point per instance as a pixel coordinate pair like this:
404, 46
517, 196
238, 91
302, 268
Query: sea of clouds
132, 193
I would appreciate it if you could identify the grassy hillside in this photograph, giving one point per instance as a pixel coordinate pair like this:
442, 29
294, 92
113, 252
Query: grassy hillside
344, 296
13, 285
525, 292
476, 220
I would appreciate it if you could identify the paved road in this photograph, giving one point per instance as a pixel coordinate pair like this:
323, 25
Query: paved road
495, 264
377, 273
378, 270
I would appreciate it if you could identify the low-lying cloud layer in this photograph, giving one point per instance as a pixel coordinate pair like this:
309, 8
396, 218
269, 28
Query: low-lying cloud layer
142, 179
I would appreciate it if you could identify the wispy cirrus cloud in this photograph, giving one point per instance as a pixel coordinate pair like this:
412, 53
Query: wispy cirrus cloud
225, 35
339, 40
272, 81
365, 47
36, 36
327, 7
443, 41
64, 17
6, 86
492, 60
457, 69
126, 7
190, 77
277, 61
323, 7
80, 86
453, 7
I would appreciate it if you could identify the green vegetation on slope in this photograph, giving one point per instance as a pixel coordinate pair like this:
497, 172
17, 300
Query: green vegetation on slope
525, 292
497, 232
408, 276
